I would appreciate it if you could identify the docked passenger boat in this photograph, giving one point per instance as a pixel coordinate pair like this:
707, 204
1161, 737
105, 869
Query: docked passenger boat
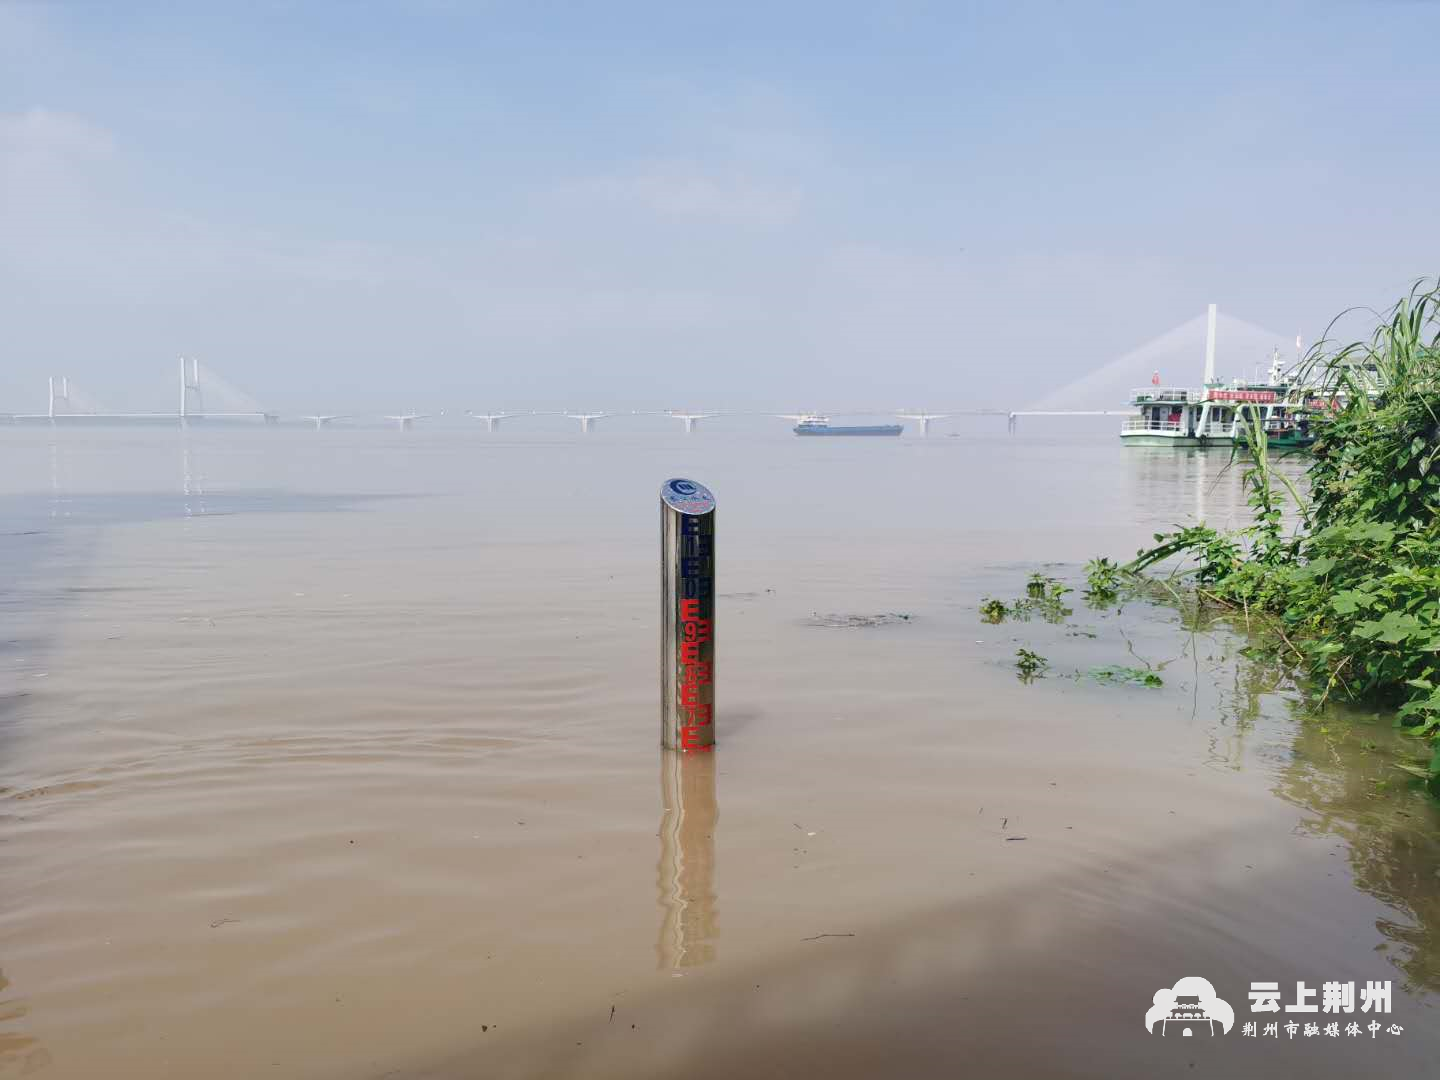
1217, 413
1290, 431
1214, 415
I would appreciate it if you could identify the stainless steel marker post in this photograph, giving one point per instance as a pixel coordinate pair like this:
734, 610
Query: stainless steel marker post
687, 616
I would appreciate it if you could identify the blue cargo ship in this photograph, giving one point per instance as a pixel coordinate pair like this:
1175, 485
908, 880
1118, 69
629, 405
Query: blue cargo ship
820, 425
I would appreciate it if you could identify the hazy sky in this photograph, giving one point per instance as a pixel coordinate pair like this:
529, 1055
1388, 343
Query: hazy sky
375, 205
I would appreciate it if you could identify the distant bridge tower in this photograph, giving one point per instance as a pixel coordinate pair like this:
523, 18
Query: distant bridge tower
923, 419
191, 403
318, 421
491, 419
586, 419
691, 419
59, 395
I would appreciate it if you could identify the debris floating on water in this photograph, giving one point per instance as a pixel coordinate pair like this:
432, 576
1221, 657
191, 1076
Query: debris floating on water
834, 621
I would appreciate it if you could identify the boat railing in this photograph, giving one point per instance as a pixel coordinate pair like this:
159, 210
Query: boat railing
1143, 423
1166, 394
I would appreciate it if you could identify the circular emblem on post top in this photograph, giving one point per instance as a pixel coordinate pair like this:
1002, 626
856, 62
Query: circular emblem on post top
687, 497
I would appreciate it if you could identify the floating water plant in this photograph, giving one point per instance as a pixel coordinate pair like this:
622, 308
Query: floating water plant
993, 611
1103, 579
1029, 665
1115, 673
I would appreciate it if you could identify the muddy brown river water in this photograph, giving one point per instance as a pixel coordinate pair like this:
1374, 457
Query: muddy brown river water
335, 755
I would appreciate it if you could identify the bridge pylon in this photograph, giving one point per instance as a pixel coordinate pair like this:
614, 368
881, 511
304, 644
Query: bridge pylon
59, 396
191, 403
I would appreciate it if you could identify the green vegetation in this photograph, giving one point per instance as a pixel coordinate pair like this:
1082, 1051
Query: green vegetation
1029, 665
1044, 596
1115, 673
1103, 579
1350, 596
993, 611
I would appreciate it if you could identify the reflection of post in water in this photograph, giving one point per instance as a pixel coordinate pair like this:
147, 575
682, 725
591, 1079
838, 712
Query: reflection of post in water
22, 1052
191, 483
686, 873
54, 474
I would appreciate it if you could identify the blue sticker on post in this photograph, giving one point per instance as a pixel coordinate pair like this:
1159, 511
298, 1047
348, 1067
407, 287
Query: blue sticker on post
687, 497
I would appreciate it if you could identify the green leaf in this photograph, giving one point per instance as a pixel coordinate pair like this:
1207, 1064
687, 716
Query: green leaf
1379, 531
1392, 628
1115, 673
1346, 603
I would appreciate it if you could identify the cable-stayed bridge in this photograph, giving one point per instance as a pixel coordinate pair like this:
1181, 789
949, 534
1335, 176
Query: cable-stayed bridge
1242, 349
1236, 346
1226, 343
69, 404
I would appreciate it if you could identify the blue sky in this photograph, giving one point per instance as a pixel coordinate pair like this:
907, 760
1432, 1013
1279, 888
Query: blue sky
649, 205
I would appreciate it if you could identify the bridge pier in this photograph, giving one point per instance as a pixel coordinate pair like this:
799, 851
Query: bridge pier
491, 419
586, 419
923, 419
690, 419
